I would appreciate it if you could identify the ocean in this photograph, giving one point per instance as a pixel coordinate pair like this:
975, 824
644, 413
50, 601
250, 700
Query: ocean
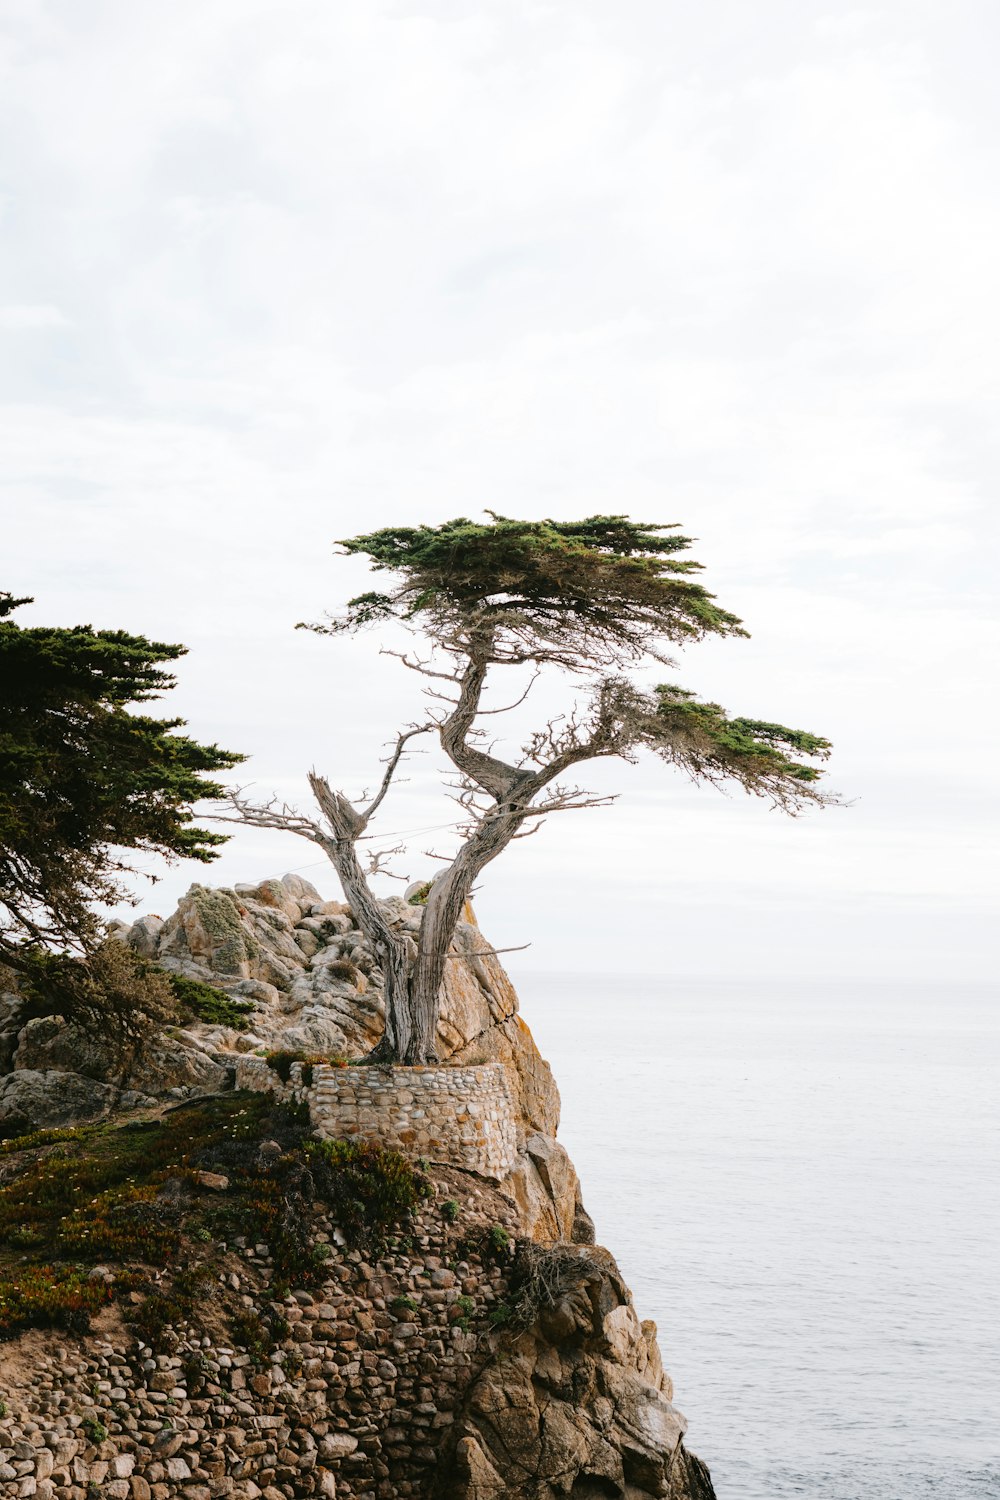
801, 1184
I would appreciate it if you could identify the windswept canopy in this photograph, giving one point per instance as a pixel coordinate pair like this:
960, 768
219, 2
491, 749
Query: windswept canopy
601, 591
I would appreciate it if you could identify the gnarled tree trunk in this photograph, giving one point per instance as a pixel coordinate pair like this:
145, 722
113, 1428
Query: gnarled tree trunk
445, 900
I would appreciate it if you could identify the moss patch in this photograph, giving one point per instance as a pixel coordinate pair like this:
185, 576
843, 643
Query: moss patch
232, 942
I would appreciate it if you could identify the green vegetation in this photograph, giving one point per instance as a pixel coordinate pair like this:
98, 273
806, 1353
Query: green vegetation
43, 1296
465, 1307
370, 1188
402, 1304
233, 942
131, 1195
85, 781
498, 1240
450, 1209
203, 1002
500, 1315
97, 1190
163, 1310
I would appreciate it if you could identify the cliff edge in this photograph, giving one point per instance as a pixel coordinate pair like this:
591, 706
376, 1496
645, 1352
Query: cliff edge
246, 1299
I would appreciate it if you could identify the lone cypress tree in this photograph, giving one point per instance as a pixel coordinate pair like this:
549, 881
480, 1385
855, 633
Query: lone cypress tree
84, 782
595, 599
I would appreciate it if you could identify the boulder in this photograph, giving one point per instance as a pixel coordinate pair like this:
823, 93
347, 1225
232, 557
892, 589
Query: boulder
32, 1100
153, 1064
208, 927
546, 1189
144, 936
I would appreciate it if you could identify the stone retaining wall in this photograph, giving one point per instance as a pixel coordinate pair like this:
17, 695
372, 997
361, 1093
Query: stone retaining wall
354, 1402
459, 1117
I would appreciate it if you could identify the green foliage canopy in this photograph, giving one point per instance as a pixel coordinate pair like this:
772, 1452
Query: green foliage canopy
605, 593
84, 780
603, 590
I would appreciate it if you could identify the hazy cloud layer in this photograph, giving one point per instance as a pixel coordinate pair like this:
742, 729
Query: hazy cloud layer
274, 273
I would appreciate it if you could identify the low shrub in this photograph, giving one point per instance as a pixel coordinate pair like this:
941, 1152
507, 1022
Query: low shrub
450, 1210
343, 968
369, 1187
203, 1002
163, 1310
250, 1332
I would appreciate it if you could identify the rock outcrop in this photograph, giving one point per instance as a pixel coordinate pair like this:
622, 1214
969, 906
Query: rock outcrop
311, 984
524, 1377
578, 1404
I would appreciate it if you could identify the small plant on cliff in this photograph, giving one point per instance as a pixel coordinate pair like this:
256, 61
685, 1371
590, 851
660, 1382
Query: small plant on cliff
464, 1309
498, 1241
450, 1210
594, 601
205, 1003
370, 1188
95, 1429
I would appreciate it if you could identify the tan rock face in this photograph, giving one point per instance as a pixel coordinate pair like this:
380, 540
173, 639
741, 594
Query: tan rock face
571, 1406
575, 1402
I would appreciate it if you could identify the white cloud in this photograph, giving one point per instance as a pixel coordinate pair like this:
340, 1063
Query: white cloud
32, 315
291, 270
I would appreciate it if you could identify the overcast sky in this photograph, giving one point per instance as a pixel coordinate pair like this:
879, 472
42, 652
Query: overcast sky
274, 273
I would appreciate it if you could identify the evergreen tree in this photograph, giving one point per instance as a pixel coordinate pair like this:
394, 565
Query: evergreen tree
595, 599
85, 782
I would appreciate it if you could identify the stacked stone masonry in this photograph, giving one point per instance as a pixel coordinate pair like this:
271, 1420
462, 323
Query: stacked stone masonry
356, 1399
455, 1117
459, 1117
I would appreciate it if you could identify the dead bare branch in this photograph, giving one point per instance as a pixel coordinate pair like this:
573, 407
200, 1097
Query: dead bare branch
418, 665
517, 701
392, 763
489, 952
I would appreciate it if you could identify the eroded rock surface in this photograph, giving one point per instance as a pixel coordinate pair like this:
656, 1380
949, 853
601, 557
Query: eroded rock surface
313, 985
577, 1404
574, 1403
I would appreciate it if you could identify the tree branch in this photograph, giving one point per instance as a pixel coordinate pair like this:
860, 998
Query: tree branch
394, 759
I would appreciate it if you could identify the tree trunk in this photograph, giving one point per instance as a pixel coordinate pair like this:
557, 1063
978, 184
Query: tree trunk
445, 900
389, 946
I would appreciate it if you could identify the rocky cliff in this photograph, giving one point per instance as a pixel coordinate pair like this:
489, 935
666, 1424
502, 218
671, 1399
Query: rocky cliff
486, 1349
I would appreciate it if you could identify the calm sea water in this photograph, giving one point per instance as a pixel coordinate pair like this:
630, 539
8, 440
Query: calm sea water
802, 1187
